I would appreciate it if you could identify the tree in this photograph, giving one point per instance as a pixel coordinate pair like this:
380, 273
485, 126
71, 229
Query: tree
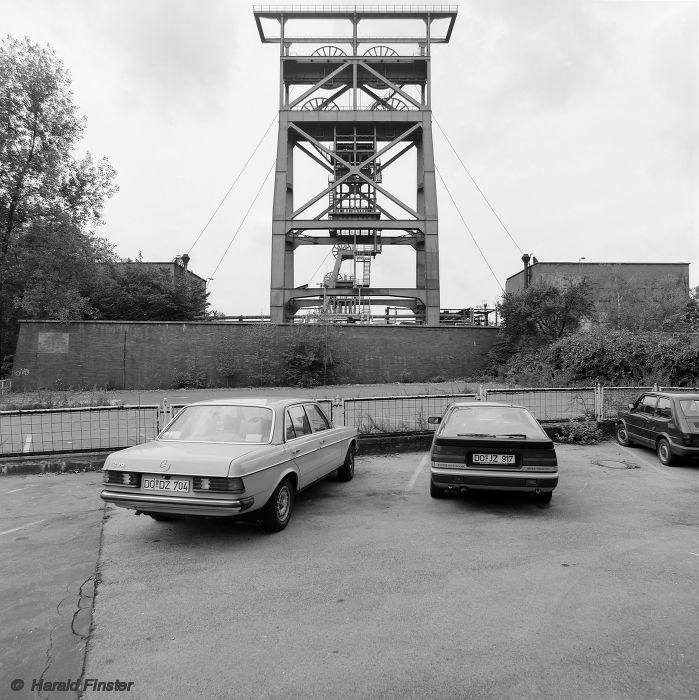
544, 312
636, 308
136, 291
51, 199
686, 318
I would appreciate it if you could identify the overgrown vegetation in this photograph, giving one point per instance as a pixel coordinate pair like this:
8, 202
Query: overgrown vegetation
57, 399
579, 432
550, 339
307, 357
190, 376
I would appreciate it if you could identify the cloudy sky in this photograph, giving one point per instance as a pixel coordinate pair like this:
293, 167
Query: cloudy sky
578, 119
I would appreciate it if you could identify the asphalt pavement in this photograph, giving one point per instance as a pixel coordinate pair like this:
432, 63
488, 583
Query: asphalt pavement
375, 590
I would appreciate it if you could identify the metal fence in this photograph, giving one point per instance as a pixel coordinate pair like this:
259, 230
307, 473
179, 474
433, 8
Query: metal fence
400, 414
50, 431
551, 404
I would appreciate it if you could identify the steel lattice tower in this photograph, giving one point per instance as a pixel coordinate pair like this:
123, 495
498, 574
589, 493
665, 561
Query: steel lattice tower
355, 105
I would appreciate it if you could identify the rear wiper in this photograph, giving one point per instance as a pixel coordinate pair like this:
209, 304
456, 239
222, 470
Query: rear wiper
513, 435
474, 435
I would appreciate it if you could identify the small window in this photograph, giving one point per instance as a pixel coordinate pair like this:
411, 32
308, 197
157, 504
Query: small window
664, 408
648, 404
316, 417
299, 421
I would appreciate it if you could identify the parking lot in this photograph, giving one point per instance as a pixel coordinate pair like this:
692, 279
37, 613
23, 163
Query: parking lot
374, 590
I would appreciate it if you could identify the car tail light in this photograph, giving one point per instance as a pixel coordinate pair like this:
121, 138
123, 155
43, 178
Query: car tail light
121, 478
546, 459
218, 483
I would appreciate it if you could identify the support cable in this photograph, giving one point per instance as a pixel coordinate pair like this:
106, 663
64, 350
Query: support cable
257, 194
485, 199
322, 262
470, 233
225, 196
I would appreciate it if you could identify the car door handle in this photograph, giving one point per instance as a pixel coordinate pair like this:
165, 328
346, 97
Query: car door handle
296, 451
321, 442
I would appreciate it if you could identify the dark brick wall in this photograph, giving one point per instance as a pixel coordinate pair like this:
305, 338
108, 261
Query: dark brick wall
148, 355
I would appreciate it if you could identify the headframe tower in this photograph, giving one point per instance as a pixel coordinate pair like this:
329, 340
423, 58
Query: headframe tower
355, 102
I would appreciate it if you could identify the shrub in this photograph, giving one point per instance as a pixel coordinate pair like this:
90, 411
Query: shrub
579, 433
191, 376
307, 363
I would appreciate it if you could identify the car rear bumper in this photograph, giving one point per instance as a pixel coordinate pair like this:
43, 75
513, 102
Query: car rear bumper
525, 482
683, 450
180, 506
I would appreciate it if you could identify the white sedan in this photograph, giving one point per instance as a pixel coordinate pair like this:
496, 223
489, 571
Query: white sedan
230, 457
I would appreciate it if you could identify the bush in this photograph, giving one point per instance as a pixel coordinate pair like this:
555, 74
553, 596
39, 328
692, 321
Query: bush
191, 376
616, 357
307, 363
579, 433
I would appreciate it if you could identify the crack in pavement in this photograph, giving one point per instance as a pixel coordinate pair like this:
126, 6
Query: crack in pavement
74, 620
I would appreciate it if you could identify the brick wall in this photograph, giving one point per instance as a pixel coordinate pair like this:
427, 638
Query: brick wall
148, 355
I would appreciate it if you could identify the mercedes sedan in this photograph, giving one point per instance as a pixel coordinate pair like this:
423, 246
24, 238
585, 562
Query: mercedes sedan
231, 457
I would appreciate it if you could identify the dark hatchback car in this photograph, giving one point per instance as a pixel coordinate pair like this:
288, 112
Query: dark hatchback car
492, 447
666, 422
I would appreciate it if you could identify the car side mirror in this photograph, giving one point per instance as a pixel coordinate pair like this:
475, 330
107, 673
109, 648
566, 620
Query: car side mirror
434, 420
630, 407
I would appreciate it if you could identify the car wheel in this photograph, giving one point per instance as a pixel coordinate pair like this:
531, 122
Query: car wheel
665, 452
346, 471
437, 491
622, 436
162, 517
544, 497
277, 511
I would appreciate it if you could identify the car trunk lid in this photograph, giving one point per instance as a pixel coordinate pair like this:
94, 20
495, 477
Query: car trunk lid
174, 457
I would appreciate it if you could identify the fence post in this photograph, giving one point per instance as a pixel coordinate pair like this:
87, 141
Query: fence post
599, 402
338, 404
166, 413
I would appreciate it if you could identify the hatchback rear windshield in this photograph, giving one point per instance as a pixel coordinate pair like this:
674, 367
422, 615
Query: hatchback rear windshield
690, 408
246, 424
491, 421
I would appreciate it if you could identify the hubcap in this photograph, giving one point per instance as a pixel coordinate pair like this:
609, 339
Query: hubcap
283, 500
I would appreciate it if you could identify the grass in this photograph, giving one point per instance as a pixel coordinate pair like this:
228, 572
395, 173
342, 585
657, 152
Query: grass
57, 399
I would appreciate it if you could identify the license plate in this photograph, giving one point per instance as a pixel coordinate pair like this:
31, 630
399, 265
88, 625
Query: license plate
494, 459
150, 483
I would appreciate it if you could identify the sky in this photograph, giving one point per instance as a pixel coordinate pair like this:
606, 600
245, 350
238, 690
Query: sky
577, 119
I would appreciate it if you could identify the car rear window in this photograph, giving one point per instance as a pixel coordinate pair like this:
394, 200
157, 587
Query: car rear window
492, 421
240, 424
690, 409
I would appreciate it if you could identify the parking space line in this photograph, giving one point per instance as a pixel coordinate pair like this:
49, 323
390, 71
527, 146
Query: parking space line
23, 527
634, 451
415, 475
15, 490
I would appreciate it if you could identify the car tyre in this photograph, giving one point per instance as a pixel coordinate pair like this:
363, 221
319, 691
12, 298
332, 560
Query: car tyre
665, 453
437, 491
544, 497
622, 436
346, 471
276, 513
